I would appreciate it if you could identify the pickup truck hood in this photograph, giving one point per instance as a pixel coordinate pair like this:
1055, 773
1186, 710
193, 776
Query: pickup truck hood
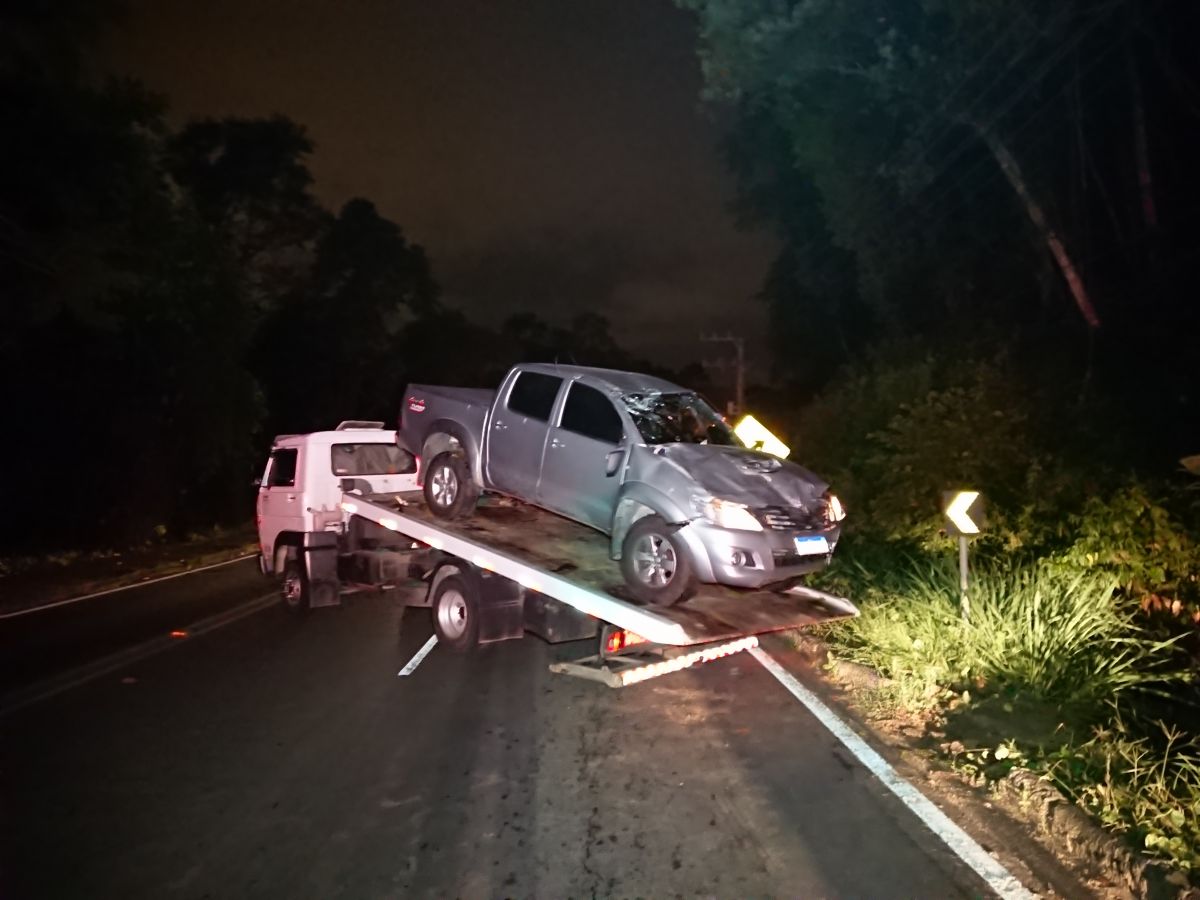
745, 476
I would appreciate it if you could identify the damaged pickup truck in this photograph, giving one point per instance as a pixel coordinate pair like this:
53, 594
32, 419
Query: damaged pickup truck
645, 461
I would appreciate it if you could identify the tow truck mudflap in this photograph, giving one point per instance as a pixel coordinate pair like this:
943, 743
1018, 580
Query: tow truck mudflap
320, 551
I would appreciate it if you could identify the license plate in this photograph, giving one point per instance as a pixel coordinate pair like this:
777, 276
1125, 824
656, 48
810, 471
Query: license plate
812, 546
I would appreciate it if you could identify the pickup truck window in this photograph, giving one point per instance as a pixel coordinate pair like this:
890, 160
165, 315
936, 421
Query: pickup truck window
533, 395
678, 418
589, 413
283, 468
370, 459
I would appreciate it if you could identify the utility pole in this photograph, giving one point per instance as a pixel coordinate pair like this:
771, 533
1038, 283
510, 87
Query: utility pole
739, 346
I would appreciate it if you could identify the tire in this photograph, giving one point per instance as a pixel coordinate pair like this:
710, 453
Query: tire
450, 491
296, 592
455, 608
656, 564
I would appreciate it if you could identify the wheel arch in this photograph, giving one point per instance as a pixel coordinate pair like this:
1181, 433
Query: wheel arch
446, 435
637, 501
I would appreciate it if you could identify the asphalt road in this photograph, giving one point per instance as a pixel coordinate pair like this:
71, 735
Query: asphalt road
278, 757
44, 643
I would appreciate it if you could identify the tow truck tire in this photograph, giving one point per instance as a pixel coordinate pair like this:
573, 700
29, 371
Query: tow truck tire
450, 491
455, 608
296, 591
656, 563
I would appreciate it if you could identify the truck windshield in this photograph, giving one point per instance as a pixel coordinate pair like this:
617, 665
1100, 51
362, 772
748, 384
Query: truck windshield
370, 459
678, 418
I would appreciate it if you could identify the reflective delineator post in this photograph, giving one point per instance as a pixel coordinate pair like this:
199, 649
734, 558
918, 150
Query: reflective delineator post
964, 602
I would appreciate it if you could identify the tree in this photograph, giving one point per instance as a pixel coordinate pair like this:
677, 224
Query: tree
883, 108
333, 349
249, 179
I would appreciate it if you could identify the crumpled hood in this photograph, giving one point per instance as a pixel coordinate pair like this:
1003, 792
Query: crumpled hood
745, 476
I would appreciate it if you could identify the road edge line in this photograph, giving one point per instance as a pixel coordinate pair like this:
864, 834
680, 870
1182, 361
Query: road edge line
965, 847
125, 587
80, 676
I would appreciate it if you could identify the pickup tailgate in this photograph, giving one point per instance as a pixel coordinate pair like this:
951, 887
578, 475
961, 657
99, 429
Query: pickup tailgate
426, 405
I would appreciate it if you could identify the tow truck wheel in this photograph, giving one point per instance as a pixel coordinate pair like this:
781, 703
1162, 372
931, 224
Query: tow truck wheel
450, 490
455, 609
297, 596
656, 564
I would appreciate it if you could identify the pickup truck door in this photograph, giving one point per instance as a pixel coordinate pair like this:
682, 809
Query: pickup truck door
581, 470
280, 500
517, 433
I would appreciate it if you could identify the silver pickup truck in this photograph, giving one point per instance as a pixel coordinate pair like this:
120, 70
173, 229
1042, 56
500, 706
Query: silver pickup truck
643, 460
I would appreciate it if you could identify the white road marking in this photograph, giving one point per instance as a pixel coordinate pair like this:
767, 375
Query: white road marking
411, 665
998, 878
55, 685
127, 587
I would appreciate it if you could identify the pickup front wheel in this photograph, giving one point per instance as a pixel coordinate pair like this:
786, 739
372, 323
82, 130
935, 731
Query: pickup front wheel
450, 491
656, 563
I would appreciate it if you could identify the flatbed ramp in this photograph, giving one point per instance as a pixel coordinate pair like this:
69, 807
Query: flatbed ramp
570, 562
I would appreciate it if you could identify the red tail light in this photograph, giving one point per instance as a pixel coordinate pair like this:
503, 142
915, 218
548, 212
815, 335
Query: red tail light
619, 640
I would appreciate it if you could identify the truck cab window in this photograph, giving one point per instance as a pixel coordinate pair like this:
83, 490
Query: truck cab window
370, 459
533, 395
283, 468
589, 413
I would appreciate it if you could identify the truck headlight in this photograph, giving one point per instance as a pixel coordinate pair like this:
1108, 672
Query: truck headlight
727, 514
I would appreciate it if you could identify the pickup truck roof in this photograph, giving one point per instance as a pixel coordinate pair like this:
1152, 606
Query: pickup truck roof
616, 381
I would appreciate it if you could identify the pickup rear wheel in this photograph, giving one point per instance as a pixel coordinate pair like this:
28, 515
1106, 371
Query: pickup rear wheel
656, 563
450, 491
455, 606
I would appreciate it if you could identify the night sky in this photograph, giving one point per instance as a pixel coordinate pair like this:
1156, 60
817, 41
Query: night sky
551, 155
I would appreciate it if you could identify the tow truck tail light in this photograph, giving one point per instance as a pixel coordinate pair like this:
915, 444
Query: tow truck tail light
621, 639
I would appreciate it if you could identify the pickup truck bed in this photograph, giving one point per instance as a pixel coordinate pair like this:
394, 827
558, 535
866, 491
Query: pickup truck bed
569, 562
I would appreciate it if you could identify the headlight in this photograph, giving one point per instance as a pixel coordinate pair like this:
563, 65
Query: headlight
727, 514
834, 510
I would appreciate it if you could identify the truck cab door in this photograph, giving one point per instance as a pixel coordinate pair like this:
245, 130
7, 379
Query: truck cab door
280, 500
517, 433
581, 474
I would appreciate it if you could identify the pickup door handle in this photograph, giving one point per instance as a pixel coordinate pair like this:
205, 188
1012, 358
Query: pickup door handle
556, 444
499, 426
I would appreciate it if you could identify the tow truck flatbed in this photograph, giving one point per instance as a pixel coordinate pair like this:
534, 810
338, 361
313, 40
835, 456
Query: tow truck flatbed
569, 562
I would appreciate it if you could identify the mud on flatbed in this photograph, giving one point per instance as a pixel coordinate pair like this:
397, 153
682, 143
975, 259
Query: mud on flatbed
563, 550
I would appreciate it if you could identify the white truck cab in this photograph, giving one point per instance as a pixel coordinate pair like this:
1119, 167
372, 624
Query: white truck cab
306, 476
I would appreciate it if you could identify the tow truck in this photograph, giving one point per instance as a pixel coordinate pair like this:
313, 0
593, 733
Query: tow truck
342, 511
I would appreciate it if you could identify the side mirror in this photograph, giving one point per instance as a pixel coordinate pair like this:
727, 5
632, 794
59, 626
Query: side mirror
612, 462
257, 482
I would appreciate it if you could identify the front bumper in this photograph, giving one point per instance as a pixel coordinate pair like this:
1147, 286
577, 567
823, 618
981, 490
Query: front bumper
753, 559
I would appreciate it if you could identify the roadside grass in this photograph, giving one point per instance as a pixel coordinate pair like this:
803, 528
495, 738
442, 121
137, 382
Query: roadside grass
29, 581
1055, 670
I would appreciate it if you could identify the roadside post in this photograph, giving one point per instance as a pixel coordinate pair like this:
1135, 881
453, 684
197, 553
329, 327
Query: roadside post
965, 518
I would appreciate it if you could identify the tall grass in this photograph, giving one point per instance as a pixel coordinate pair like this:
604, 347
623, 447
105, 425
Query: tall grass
1058, 635
1063, 638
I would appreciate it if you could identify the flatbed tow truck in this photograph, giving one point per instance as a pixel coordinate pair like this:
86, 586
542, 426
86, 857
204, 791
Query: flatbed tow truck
508, 569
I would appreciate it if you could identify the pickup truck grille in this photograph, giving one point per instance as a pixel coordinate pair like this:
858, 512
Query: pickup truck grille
782, 518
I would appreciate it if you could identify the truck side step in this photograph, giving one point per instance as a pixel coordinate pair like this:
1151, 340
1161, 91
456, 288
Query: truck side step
620, 671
